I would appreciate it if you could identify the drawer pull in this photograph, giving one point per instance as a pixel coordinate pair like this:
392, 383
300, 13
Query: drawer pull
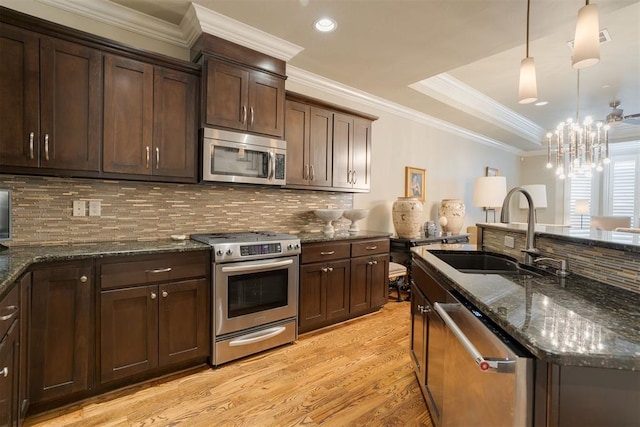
13, 310
159, 270
372, 248
83, 279
328, 253
4, 371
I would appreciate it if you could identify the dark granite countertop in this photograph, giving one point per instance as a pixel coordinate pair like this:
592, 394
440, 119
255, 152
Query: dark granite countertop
15, 261
340, 235
621, 240
576, 321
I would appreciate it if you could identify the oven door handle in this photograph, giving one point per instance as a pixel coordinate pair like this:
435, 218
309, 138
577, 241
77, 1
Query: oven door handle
486, 364
257, 336
256, 266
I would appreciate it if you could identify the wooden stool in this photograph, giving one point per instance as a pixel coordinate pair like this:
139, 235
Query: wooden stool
397, 275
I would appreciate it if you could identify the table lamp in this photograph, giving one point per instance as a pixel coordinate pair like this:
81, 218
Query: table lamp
489, 193
581, 208
538, 193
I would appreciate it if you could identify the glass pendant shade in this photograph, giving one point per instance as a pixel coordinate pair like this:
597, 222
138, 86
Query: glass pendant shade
528, 89
586, 43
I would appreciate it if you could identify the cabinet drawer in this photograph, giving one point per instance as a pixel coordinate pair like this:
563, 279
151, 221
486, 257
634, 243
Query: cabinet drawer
370, 247
9, 310
127, 271
316, 252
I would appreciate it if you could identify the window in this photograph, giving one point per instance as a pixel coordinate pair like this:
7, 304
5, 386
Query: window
623, 189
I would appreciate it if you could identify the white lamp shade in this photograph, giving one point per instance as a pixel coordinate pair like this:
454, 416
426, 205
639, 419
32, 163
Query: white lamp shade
582, 207
538, 193
489, 191
528, 89
586, 43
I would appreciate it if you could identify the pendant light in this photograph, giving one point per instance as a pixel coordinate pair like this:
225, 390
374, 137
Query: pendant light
586, 43
528, 89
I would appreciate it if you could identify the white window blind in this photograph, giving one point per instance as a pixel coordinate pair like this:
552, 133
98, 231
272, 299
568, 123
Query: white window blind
623, 189
580, 189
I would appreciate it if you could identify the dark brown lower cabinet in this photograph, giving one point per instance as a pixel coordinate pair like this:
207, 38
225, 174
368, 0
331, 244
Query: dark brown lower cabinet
324, 292
9, 376
61, 331
148, 327
369, 282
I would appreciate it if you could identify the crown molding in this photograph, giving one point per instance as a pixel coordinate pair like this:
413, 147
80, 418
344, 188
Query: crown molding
453, 92
306, 78
211, 22
122, 17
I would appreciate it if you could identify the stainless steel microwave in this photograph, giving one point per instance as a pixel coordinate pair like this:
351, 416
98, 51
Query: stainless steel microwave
242, 158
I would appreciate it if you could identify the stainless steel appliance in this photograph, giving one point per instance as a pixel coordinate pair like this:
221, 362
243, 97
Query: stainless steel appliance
255, 292
488, 379
242, 158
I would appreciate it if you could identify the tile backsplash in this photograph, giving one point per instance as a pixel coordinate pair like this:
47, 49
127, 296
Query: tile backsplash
42, 209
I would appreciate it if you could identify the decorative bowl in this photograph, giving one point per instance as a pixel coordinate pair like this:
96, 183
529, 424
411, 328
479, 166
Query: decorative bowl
355, 215
328, 216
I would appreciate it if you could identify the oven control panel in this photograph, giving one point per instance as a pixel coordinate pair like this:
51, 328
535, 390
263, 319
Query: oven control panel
260, 249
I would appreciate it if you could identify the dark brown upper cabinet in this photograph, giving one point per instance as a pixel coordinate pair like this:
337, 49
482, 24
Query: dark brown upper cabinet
242, 89
351, 152
50, 104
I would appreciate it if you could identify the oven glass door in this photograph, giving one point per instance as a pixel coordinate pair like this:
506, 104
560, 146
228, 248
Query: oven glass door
253, 293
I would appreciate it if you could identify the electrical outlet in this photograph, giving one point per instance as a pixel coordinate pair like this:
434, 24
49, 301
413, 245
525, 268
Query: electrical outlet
509, 242
79, 208
95, 208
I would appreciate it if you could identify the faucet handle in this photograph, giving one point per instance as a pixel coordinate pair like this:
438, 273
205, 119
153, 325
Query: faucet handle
533, 252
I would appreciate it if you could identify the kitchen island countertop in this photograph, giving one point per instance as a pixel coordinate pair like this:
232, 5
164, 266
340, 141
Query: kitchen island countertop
15, 261
575, 321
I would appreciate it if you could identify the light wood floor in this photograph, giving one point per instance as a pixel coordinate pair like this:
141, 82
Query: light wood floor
354, 374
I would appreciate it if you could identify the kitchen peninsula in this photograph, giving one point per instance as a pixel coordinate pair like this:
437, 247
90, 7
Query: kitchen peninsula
583, 332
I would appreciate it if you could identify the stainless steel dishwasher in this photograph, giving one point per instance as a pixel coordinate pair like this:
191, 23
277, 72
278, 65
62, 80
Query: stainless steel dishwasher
488, 377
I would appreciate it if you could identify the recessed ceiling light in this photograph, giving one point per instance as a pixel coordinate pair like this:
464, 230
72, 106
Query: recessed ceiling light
325, 25
541, 103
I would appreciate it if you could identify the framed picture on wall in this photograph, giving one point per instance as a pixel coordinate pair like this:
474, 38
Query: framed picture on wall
415, 180
491, 171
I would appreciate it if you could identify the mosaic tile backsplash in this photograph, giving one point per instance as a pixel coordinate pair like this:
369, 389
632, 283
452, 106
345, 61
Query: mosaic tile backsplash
614, 267
42, 209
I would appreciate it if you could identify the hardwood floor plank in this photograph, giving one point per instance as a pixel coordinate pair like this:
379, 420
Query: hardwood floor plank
357, 373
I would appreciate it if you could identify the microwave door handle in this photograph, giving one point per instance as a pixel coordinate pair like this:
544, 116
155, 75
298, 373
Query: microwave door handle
256, 266
272, 165
485, 364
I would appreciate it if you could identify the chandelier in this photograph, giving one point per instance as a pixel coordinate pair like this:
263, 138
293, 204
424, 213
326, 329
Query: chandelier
579, 148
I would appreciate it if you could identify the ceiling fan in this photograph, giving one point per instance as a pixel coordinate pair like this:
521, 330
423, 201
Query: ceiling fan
616, 116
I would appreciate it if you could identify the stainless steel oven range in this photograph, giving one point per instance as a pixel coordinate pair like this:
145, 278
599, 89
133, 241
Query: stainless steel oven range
255, 292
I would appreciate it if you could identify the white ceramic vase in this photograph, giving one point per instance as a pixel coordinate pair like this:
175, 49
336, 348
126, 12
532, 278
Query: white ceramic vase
453, 210
407, 217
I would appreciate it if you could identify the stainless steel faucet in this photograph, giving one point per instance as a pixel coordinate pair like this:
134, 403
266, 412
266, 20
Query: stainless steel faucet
530, 251
561, 265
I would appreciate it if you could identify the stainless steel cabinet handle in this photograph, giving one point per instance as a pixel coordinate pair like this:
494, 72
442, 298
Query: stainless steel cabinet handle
328, 253
372, 248
157, 158
244, 114
349, 176
251, 115
4, 372
46, 146
83, 279
13, 310
485, 364
165, 294
313, 173
330, 269
306, 171
31, 136
159, 270
354, 179
373, 262
153, 295
326, 269
148, 156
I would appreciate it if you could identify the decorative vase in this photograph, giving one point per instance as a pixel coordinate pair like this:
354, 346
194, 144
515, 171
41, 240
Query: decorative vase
453, 211
407, 217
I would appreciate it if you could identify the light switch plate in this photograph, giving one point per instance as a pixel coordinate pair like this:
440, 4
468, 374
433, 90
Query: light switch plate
95, 208
509, 242
79, 208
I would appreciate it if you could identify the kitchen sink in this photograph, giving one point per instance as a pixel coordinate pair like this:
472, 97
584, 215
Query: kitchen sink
482, 263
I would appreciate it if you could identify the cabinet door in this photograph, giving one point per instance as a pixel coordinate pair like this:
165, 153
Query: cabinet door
337, 284
225, 102
418, 344
360, 290
61, 340
183, 321
128, 332
320, 147
70, 106
313, 295
266, 104
128, 116
19, 102
297, 136
361, 154
379, 280
25, 327
174, 129
342, 147
435, 356
9, 365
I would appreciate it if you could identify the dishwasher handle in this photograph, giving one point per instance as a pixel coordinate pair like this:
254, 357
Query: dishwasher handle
486, 364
